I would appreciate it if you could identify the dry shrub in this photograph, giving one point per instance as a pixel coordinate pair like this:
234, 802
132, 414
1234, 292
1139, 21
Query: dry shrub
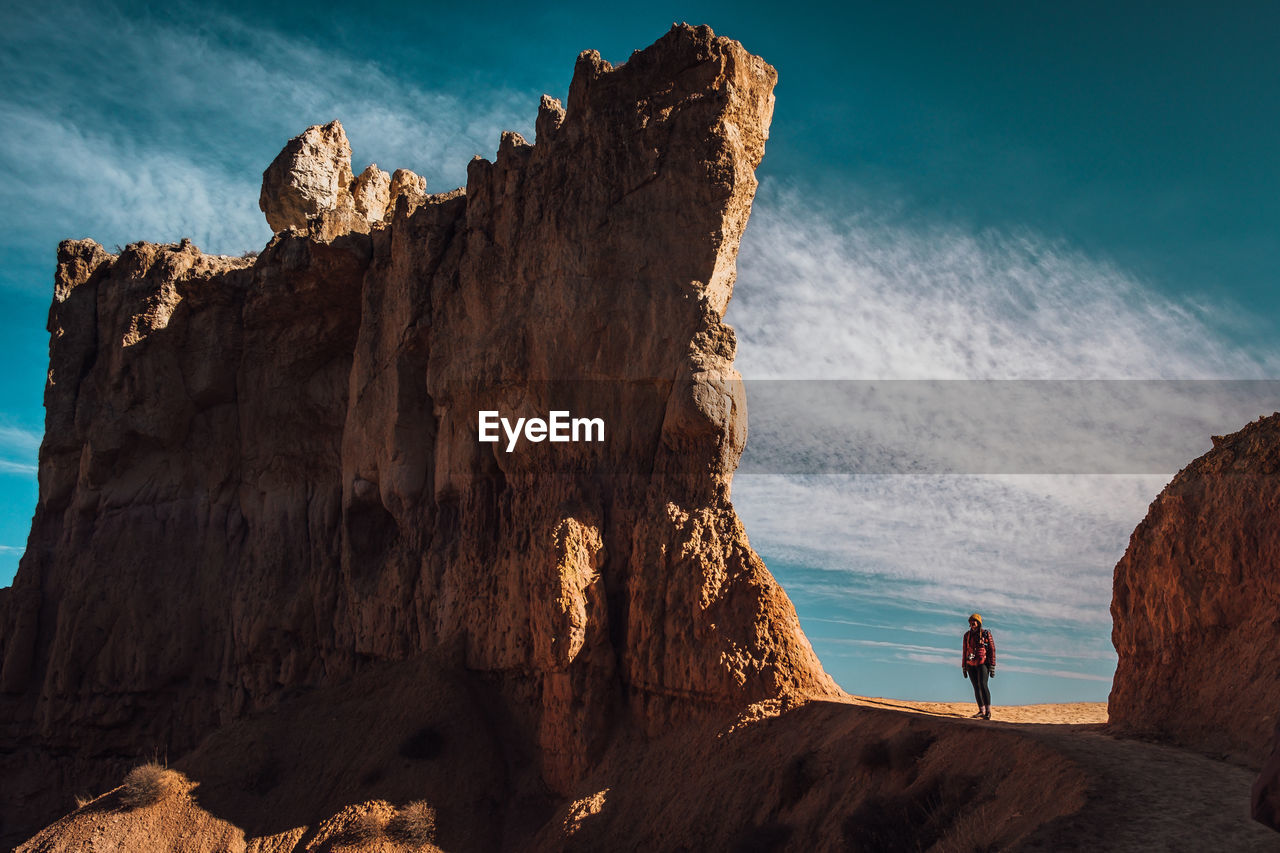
368, 827
413, 825
151, 783
911, 819
973, 832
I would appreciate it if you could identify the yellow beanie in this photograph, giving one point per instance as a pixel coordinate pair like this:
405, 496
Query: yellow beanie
977, 616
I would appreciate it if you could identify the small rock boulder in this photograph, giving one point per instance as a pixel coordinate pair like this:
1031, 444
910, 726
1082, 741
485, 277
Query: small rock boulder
311, 175
407, 184
371, 193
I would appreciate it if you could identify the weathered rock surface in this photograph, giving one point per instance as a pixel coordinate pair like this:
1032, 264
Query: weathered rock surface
1196, 604
311, 174
259, 476
309, 187
371, 193
406, 185
1265, 805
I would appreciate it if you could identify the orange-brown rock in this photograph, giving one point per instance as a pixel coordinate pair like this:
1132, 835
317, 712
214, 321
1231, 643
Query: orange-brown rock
371, 193
406, 185
1196, 601
309, 187
260, 476
311, 175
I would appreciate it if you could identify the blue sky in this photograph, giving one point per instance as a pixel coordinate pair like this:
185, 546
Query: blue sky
959, 191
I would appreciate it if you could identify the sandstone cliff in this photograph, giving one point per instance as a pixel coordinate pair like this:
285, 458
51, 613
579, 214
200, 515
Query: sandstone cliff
1196, 600
263, 475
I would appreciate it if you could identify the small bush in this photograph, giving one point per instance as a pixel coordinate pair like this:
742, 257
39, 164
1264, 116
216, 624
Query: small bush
151, 783
973, 832
910, 820
415, 824
368, 827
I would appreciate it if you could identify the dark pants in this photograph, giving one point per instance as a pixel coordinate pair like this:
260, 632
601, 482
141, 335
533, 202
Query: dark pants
978, 675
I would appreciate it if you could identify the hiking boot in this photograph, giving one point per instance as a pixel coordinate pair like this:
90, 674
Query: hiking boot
978, 716
986, 715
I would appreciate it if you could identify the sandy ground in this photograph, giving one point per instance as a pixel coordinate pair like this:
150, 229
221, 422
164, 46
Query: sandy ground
1141, 796
1064, 714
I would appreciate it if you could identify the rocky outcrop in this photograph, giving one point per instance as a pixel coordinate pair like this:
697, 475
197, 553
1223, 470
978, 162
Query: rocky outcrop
406, 185
1196, 600
263, 475
312, 174
309, 187
371, 193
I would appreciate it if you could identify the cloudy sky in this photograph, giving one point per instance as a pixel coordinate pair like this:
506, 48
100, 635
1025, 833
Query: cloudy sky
965, 192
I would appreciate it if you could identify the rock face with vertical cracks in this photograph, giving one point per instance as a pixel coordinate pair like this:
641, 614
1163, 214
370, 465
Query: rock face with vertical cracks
258, 475
1196, 604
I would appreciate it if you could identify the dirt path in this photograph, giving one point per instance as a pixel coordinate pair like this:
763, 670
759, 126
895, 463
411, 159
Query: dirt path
1067, 713
1141, 797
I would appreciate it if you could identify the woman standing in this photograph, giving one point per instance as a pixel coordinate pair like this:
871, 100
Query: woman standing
978, 663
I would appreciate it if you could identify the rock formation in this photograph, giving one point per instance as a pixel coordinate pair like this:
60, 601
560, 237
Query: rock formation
1196, 604
309, 187
261, 476
312, 174
371, 193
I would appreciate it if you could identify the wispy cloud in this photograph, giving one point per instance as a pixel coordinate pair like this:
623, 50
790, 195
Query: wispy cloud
1040, 546
17, 439
879, 626
19, 452
904, 647
943, 660
150, 128
86, 183
1057, 673
831, 294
